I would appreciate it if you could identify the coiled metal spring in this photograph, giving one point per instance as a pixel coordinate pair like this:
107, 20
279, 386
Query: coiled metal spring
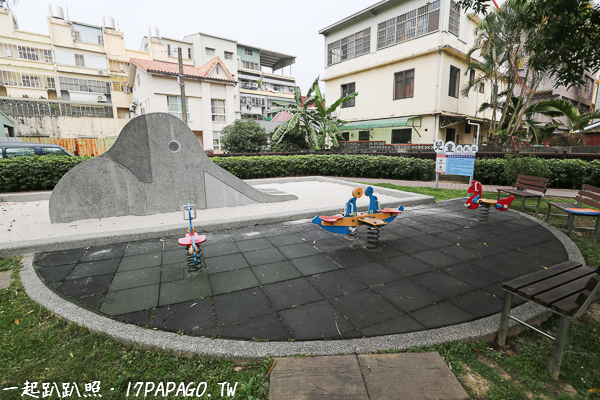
484, 212
198, 264
372, 237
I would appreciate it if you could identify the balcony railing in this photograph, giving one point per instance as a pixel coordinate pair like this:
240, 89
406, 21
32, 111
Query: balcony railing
52, 108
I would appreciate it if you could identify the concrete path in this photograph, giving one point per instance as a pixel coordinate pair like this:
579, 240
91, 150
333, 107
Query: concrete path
457, 186
406, 376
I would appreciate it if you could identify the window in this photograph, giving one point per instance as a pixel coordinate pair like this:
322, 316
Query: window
467, 127
401, 136
79, 60
174, 106
346, 136
30, 80
17, 151
404, 84
589, 84
228, 55
47, 56
218, 110
169, 50
137, 81
346, 90
217, 70
454, 23
88, 34
471, 76
84, 85
189, 53
27, 53
250, 65
53, 151
349, 47
216, 140
408, 26
481, 87
363, 136
50, 84
454, 81
248, 52
450, 135
210, 52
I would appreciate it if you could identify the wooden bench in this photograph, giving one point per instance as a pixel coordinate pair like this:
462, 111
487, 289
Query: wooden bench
566, 289
528, 187
589, 196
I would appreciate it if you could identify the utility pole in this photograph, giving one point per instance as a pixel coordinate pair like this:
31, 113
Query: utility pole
182, 86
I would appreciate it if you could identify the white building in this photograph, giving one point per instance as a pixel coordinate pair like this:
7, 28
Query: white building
407, 60
209, 90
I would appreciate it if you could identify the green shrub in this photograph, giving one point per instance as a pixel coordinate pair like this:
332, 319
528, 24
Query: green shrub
518, 165
19, 174
244, 136
569, 174
594, 174
491, 171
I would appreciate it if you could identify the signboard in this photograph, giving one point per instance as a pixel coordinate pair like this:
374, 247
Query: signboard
454, 159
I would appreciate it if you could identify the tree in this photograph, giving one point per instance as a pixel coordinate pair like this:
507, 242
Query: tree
567, 33
291, 141
317, 125
574, 120
244, 136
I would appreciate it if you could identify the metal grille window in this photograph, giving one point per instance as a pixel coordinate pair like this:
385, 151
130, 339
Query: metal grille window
252, 101
10, 78
404, 84
454, 82
84, 85
248, 52
386, 33
33, 108
25, 53
174, 107
454, 23
218, 110
216, 140
349, 47
347, 89
407, 27
228, 55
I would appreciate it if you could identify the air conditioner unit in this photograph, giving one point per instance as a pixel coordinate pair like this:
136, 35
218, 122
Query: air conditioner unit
100, 72
102, 98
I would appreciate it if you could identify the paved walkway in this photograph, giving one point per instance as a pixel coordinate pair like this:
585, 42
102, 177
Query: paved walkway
435, 266
457, 186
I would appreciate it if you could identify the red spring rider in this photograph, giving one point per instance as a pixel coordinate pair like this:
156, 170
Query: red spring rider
475, 200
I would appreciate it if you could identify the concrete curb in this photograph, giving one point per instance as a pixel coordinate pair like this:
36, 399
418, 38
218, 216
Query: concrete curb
24, 197
219, 223
485, 328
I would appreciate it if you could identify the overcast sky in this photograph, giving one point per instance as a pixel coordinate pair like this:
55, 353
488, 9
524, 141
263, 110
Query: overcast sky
289, 27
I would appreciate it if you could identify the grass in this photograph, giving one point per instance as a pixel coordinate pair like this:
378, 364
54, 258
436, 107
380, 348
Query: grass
37, 346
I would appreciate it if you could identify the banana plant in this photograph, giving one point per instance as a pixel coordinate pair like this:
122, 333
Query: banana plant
317, 124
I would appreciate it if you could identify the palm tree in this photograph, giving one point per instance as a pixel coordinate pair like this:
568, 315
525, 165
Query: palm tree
575, 121
317, 124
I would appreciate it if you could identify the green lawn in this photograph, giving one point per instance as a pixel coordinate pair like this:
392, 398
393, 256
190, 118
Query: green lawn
37, 346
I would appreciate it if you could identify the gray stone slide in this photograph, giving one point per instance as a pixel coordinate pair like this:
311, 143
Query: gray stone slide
156, 166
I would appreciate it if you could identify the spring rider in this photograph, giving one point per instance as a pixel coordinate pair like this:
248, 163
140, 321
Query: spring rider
350, 219
192, 241
476, 200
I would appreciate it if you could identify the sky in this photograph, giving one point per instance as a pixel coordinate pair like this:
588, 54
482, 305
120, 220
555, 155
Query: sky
289, 27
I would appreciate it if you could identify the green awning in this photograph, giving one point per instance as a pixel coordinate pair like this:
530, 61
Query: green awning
5, 121
381, 123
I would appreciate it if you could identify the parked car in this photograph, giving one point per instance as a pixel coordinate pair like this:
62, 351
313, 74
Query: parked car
15, 149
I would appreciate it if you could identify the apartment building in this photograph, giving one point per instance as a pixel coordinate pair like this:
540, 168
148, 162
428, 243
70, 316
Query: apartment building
68, 83
407, 60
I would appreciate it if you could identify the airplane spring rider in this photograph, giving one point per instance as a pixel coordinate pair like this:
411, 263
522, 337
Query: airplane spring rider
192, 241
476, 200
350, 219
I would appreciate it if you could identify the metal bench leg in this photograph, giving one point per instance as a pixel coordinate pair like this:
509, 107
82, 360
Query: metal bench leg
498, 195
548, 213
595, 238
523, 205
559, 346
570, 222
537, 210
504, 318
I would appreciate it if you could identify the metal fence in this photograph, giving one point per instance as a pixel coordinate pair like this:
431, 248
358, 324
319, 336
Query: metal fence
380, 146
49, 108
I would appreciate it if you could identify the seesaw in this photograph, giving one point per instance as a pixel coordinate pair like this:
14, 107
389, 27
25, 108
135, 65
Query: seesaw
476, 200
349, 220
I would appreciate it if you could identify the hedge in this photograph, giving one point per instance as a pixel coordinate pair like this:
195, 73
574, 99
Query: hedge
42, 173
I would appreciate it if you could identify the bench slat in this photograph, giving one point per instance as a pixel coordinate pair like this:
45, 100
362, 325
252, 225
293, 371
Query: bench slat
587, 198
563, 206
533, 178
560, 292
529, 187
541, 185
538, 287
515, 284
566, 306
519, 193
589, 188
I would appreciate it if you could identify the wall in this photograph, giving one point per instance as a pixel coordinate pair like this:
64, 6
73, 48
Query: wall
65, 127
